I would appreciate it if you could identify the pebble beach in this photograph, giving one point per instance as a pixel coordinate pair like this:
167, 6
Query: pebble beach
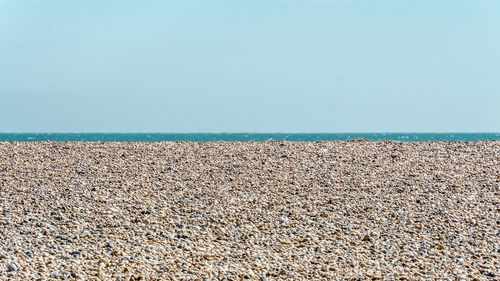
354, 210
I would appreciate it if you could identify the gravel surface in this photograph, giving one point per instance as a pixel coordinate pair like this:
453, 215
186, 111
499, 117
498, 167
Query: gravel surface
356, 210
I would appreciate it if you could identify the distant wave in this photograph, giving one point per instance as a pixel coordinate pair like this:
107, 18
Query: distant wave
209, 137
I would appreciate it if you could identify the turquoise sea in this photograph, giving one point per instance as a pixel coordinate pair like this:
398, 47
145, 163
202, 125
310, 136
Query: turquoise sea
206, 137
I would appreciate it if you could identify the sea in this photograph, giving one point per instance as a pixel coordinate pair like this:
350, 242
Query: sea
243, 137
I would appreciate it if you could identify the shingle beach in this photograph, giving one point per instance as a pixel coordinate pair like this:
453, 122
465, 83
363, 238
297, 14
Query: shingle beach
356, 210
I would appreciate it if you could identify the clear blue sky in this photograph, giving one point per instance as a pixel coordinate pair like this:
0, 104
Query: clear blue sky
249, 66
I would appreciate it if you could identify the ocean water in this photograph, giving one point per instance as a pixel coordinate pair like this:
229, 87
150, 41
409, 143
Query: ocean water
207, 137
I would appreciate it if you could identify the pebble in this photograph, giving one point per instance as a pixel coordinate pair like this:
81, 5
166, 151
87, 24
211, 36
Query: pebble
182, 236
355, 210
12, 267
488, 273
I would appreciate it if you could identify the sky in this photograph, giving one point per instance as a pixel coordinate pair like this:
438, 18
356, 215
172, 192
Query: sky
249, 66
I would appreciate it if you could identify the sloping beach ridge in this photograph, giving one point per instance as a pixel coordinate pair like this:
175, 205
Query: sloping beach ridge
355, 210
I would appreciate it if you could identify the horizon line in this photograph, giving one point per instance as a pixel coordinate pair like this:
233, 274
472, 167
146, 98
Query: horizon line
186, 133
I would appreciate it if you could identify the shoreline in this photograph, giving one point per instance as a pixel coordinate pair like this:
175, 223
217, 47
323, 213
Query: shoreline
252, 141
209, 137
